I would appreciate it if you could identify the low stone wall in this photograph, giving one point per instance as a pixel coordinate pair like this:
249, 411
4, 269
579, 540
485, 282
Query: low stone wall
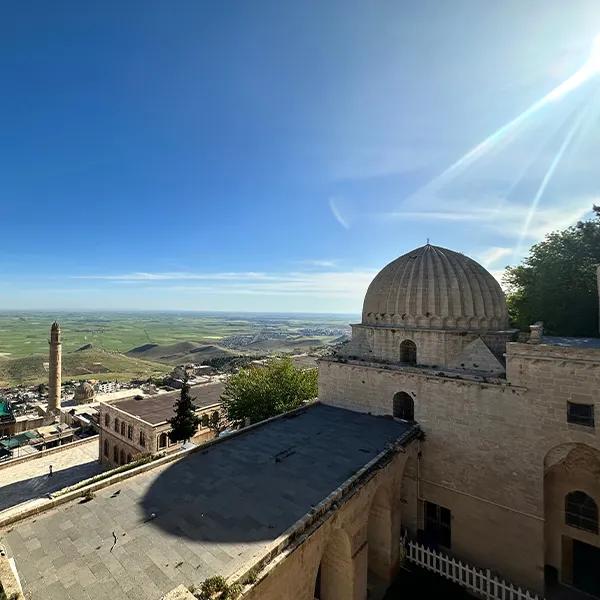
9, 578
16, 461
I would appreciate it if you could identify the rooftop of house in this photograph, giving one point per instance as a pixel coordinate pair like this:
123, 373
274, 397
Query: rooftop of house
157, 409
216, 511
5, 408
572, 342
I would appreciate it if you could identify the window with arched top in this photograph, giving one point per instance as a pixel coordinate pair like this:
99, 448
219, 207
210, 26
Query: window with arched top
581, 511
404, 407
105, 447
122, 457
123, 427
408, 352
162, 440
106, 419
117, 425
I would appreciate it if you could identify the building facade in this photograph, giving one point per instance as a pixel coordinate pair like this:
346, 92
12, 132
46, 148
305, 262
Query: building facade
508, 475
133, 427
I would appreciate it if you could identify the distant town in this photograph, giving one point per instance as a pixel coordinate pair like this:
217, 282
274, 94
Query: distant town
30, 422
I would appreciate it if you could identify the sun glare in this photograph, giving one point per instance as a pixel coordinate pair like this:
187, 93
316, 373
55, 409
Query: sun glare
594, 60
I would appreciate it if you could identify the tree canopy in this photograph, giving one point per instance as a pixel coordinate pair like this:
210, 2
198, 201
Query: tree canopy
215, 421
185, 422
556, 283
260, 392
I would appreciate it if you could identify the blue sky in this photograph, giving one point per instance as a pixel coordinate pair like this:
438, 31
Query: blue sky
274, 155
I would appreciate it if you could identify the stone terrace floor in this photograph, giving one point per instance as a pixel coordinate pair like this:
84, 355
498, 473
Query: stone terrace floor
213, 512
29, 479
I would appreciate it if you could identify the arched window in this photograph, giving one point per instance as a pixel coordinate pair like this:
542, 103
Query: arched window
129, 458
122, 427
581, 511
404, 407
117, 425
408, 352
106, 419
122, 457
115, 455
130, 431
105, 447
142, 439
162, 440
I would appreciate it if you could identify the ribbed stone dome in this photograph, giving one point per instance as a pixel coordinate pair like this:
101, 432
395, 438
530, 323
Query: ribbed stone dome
436, 288
85, 391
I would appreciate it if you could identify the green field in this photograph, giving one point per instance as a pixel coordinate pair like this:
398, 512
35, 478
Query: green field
87, 364
24, 334
24, 340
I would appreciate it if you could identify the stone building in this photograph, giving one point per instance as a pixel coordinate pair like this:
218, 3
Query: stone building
138, 425
508, 475
432, 422
84, 393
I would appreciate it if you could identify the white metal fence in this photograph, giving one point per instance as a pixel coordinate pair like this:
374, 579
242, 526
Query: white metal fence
479, 581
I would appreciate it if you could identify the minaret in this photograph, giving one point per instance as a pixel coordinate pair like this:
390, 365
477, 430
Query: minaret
55, 368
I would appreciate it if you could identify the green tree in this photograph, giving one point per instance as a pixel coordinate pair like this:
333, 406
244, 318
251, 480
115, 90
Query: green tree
257, 393
185, 422
556, 283
215, 421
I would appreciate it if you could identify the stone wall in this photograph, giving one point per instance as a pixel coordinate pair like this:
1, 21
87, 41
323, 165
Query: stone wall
435, 348
155, 437
362, 536
485, 444
569, 468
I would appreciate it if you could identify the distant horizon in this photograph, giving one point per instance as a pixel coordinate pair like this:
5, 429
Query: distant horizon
8, 311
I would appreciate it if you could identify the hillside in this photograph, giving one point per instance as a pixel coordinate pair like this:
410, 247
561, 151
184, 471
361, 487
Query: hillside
84, 364
292, 344
180, 352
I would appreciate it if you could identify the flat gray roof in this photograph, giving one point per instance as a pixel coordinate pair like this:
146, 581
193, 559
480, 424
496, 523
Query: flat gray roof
572, 342
157, 409
213, 512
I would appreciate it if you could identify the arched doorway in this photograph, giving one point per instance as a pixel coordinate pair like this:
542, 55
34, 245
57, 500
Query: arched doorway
380, 539
403, 407
571, 498
408, 352
335, 575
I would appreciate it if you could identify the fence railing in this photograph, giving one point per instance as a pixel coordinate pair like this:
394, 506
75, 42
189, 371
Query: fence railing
480, 581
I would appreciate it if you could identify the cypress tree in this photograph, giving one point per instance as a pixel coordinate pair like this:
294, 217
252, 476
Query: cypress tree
185, 421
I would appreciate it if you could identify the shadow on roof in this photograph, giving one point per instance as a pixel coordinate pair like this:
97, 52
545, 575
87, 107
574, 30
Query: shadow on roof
254, 486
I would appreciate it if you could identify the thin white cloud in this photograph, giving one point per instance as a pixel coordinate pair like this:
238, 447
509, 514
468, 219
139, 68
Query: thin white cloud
346, 284
505, 217
176, 275
322, 263
492, 255
337, 214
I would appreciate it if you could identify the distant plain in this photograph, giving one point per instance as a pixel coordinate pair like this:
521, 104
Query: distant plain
124, 345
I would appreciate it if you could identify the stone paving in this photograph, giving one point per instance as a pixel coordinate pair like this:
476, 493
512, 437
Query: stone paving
213, 512
29, 480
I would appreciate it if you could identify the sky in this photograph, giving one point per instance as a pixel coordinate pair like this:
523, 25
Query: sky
274, 156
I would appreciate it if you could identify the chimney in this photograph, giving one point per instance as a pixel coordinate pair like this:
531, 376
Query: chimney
536, 332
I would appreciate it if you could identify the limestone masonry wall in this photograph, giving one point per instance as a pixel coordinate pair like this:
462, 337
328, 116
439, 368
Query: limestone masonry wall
485, 444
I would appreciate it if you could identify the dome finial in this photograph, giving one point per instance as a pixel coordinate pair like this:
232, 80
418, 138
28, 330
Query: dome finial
428, 241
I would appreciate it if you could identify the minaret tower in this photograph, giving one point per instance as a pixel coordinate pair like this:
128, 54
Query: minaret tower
55, 368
